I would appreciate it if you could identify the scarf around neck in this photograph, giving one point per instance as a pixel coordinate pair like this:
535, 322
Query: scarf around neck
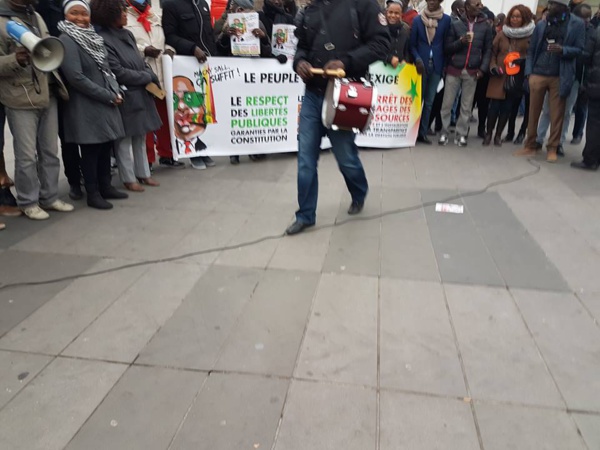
142, 15
518, 33
430, 20
87, 38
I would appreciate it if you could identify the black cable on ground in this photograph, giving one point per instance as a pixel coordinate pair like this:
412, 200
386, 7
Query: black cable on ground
337, 223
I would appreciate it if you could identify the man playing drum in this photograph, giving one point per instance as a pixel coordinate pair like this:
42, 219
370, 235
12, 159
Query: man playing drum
334, 34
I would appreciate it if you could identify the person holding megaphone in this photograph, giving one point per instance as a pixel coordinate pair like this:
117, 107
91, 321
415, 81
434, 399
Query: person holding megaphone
29, 85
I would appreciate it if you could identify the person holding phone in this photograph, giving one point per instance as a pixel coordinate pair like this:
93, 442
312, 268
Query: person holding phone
550, 69
469, 49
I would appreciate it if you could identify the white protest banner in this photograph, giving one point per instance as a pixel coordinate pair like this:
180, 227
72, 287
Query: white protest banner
243, 106
398, 111
233, 106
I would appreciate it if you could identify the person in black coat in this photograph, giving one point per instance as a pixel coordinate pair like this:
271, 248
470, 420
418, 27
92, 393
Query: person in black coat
138, 110
277, 12
343, 34
591, 151
188, 29
399, 33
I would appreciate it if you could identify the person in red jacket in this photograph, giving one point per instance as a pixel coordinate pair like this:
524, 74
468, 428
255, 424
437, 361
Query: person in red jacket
409, 12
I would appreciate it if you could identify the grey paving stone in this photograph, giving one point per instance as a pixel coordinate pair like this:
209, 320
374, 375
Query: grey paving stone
354, 248
19, 228
18, 303
143, 411
259, 255
125, 328
246, 197
233, 412
519, 258
589, 426
267, 337
50, 410
341, 338
501, 359
398, 170
305, 251
215, 230
460, 250
328, 416
592, 303
569, 341
418, 352
117, 234
47, 331
419, 422
406, 249
194, 336
512, 427
16, 371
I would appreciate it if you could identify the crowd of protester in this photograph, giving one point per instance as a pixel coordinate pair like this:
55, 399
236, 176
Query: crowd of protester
98, 105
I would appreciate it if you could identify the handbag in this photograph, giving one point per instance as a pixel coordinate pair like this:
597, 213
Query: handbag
515, 76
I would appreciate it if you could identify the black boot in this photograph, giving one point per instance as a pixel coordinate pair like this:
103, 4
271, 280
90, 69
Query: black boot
499, 129
110, 192
491, 124
95, 200
520, 138
75, 192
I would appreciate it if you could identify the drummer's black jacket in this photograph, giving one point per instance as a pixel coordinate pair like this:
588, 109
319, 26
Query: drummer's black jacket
357, 29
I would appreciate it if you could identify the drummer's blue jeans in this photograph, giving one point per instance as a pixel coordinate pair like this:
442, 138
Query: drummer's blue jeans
309, 145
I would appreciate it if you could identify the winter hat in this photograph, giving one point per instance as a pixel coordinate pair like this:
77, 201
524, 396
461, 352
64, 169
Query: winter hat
68, 4
560, 2
245, 4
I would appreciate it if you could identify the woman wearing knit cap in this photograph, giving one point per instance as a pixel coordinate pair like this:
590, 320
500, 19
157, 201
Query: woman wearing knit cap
92, 112
144, 22
138, 110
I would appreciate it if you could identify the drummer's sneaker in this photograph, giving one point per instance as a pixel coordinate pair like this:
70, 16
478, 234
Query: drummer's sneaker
461, 141
443, 140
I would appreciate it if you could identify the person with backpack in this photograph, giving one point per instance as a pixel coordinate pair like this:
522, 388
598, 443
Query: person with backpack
343, 34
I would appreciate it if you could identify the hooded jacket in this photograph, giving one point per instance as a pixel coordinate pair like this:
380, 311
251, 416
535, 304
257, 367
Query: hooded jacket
17, 88
474, 56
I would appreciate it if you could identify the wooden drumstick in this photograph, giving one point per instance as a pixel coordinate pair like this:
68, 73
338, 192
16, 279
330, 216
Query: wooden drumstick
336, 73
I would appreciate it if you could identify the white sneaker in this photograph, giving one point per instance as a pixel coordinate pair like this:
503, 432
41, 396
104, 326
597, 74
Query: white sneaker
2, 226
443, 139
60, 206
36, 213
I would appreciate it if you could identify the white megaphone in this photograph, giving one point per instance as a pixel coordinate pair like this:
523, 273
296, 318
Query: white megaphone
46, 54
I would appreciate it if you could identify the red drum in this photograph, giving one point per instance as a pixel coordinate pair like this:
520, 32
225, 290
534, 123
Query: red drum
349, 105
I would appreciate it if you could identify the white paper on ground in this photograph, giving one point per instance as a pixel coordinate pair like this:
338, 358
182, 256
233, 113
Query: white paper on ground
449, 207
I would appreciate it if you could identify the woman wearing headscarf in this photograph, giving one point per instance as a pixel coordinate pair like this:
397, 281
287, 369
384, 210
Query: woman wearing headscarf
92, 112
138, 110
509, 51
144, 21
